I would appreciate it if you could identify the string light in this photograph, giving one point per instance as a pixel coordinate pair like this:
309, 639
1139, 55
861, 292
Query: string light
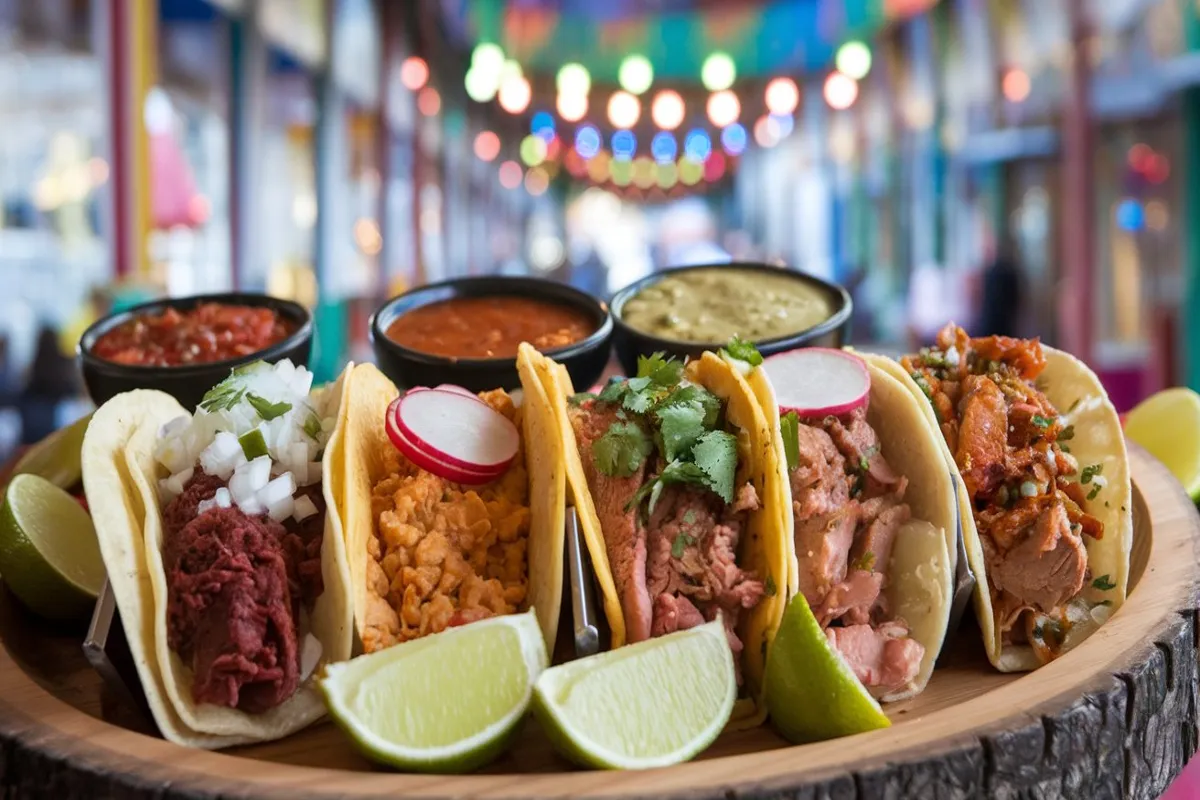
697, 146
643, 172
718, 72
723, 108
667, 110
510, 174
572, 107
663, 147
624, 145
481, 84
783, 96
515, 94
764, 133
840, 91
668, 175
781, 126
414, 73
487, 146
542, 125
1015, 85
533, 150
690, 172
537, 181
574, 79
853, 60
714, 168
598, 167
636, 74
487, 57
621, 172
733, 139
429, 102
623, 109
587, 141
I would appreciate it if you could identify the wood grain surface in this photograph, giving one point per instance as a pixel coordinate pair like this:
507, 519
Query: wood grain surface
1114, 718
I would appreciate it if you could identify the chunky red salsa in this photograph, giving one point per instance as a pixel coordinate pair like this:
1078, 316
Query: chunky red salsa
208, 332
489, 327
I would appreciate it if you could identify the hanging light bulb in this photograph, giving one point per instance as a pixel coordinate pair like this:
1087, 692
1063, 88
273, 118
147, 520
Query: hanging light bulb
636, 74
574, 79
723, 108
668, 110
783, 96
623, 110
718, 72
572, 107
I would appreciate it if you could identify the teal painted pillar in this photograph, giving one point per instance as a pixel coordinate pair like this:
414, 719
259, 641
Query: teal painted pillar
1190, 322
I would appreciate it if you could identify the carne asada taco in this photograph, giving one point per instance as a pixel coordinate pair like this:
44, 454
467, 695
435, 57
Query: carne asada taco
228, 571
870, 514
445, 542
1047, 498
672, 474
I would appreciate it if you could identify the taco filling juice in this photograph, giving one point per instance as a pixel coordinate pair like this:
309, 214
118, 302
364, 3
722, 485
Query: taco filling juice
661, 469
848, 507
1026, 488
243, 522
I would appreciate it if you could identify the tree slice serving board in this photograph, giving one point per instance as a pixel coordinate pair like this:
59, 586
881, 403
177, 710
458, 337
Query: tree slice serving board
1114, 718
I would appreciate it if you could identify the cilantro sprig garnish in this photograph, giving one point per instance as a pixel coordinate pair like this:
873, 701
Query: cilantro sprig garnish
266, 409
622, 449
743, 351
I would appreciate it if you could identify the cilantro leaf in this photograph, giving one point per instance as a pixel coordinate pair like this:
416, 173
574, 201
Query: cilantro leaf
266, 409
1103, 583
660, 370
743, 351
614, 391
312, 426
680, 544
1041, 422
224, 396
681, 424
1066, 433
1089, 472
864, 460
621, 450
716, 455
690, 393
1095, 491
789, 427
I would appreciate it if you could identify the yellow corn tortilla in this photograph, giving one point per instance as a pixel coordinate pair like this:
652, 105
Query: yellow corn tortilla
369, 395
1076, 391
920, 576
762, 550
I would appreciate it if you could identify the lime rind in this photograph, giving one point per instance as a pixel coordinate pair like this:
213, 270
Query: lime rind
1167, 424
342, 683
649, 705
812, 695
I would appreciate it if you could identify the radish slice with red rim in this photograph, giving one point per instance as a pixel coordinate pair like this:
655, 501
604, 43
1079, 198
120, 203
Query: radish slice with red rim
817, 381
429, 463
449, 387
458, 430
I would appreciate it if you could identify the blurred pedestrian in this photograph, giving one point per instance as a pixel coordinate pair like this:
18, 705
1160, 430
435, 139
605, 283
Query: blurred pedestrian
51, 381
1000, 297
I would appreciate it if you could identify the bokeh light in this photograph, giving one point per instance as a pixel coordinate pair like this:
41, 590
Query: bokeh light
840, 91
690, 172
853, 60
487, 146
781, 126
572, 107
624, 110
537, 181
574, 79
488, 57
1140, 157
733, 139
542, 124
1015, 85
1158, 170
533, 150
429, 102
667, 175
782, 96
587, 141
515, 94
510, 174
598, 167
644, 174
697, 145
1130, 215
624, 145
621, 172
667, 110
714, 168
718, 72
663, 147
414, 73
575, 163
765, 135
636, 74
481, 84
723, 108
1157, 216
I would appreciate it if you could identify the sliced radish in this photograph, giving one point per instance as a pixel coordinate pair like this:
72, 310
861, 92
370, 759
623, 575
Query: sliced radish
430, 463
449, 387
458, 430
816, 382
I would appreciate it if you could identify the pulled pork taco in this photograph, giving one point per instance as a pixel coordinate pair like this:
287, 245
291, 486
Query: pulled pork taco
431, 546
870, 514
672, 475
227, 565
1047, 498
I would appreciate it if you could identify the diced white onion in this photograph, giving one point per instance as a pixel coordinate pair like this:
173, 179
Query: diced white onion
205, 505
313, 468
310, 656
304, 508
1100, 480
277, 490
221, 457
285, 370
301, 382
223, 498
1100, 614
258, 472
175, 483
251, 507
952, 357
282, 509
174, 427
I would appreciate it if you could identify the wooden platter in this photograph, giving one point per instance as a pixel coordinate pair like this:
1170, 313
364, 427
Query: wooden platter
1114, 718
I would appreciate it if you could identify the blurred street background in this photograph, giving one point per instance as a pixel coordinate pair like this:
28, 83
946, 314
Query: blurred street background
1023, 167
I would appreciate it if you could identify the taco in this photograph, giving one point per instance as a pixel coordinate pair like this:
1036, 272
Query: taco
672, 476
1046, 498
427, 552
225, 558
870, 517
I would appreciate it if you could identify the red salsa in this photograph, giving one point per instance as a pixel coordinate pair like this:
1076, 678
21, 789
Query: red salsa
209, 332
489, 327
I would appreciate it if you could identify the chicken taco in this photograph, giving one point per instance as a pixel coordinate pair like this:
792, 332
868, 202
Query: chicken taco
440, 530
225, 558
869, 513
672, 473
1047, 518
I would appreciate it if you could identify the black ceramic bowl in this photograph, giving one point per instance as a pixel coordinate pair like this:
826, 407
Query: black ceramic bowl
187, 384
585, 360
630, 343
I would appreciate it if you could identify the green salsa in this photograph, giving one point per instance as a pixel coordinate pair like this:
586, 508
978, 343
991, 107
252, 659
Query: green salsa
713, 305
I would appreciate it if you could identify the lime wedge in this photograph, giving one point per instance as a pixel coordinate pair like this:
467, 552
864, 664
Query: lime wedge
650, 704
56, 458
444, 703
49, 556
811, 694
1168, 425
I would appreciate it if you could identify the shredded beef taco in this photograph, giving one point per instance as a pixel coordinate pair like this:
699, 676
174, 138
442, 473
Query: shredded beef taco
1047, 497
672, 475
427, 552
226, 560
870, 517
